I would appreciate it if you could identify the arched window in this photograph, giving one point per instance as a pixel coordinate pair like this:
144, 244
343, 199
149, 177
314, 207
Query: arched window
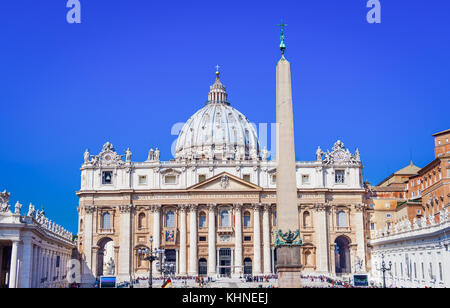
202, 220
106, 221
141, 221
170, 219
247, 220
306, 219
342, 219
225, 218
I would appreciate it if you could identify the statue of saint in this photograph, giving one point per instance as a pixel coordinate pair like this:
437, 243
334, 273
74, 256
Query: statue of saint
110, 266
319, 154
157, 153
17, 208
87, 156
31, 210
265, 154
357, 155
128, 155
151, 154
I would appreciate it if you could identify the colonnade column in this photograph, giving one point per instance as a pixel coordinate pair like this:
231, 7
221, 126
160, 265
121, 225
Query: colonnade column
13, 266
266, 239
238, 238
256, 239
193, 264
211, 239
27, 257
320, 226
124, 242
182, 209
156, 209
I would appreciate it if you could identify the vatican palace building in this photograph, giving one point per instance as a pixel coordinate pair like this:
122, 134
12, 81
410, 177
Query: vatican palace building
213, 207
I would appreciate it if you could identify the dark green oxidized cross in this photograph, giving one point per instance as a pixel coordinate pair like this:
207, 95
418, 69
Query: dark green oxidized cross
282, 45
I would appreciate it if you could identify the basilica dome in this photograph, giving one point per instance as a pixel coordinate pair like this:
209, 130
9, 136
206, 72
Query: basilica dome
217, 131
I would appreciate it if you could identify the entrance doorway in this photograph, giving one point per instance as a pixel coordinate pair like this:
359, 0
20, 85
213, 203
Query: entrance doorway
5, 263
170, 256
225, 262
106, 265
248, 266
202, 267
342, 255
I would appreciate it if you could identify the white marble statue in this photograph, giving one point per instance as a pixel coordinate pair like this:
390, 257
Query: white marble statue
265, 154
17, 208
31, 210
157, 153
128, 155
319, 154
87, 156
4, 199
151, 154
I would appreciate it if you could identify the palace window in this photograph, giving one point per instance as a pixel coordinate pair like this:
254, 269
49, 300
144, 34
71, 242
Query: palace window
246, 177
342, 219
170, 179
201, 177
107, 177
247, 238
202, 239
247, 220
202, 220
339, 177
106, 221
306, 219
305, 179
142, 179
225, 218
141, 221
170, 219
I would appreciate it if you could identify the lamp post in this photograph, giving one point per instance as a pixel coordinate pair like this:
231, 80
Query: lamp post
384, 269
149, 255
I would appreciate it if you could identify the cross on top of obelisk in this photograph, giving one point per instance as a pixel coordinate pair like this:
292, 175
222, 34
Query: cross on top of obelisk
282, 45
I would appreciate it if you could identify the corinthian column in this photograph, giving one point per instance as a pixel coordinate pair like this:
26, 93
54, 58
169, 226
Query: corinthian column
193, 240
321, 228
256, 240
238, 238
156, 210
182, 209
89, 272
125, 242
266, 239
211, 239
361, 246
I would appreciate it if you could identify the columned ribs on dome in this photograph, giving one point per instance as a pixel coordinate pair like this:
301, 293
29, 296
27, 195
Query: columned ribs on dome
217, 131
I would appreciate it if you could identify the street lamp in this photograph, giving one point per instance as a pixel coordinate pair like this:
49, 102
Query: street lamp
384, 269
149, 255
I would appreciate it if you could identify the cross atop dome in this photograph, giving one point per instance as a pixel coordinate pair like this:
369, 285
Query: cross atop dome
282, 44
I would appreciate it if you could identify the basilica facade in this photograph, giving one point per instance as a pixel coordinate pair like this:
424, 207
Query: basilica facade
213, 207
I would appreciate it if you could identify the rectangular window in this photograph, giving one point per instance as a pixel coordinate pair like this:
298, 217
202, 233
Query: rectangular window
305, 179
412, 194
247, 238
388, 215
339, 177
274, 179
201, 178
202, 239
142, 179
372, 226
170, 179
246, 177
107, 177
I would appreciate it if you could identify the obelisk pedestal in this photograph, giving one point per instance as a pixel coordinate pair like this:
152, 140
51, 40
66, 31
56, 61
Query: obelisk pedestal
288, 239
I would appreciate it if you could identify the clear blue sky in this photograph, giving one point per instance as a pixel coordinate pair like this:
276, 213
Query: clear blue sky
132, 69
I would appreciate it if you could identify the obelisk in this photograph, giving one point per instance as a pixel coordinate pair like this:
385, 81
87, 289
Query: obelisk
288, 240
